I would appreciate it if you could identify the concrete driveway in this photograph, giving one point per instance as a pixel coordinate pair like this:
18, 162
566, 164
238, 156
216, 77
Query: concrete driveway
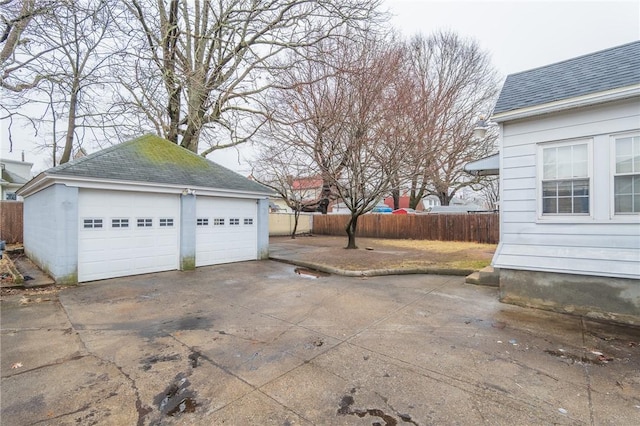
255, 343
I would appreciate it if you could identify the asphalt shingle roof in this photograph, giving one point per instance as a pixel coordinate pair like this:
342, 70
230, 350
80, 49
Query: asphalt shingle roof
596, 72
153, 159
9, 177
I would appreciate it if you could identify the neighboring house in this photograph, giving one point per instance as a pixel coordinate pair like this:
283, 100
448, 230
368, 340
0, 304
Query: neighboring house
143, 206
403, 202
430, 201
14, 175
570, 186
307, 189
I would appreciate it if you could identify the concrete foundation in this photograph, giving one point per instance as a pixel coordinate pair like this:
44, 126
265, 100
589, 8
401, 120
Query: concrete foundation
613, 299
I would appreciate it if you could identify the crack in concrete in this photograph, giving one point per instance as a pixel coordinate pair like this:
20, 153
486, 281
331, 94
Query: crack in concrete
253, 387
140, 409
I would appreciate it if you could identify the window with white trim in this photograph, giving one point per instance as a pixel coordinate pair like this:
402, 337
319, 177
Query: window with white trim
626, 177
166, 222
248, 221
145, 222
92, 223
218, 221
202, 221
119, 223
234, 221
565, 178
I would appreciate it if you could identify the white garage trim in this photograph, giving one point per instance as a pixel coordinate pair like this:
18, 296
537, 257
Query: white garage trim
126, 233
226, 230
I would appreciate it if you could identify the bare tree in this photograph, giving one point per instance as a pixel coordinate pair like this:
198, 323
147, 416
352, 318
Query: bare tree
336, 114
201, 67
280, 169
16, 16
454, 85
67, 55
490, 191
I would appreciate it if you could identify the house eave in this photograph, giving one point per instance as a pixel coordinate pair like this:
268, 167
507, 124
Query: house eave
45, 180
564, 104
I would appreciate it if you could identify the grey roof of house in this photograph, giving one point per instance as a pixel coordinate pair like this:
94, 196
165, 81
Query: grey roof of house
153, 159
9, 177
596, 72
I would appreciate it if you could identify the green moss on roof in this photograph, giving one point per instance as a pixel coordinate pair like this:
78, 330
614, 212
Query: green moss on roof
159, 152
150, 158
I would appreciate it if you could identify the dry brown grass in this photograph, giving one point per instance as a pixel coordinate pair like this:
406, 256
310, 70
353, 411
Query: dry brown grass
394, 254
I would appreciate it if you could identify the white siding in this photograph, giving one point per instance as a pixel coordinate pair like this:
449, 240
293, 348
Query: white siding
600, 244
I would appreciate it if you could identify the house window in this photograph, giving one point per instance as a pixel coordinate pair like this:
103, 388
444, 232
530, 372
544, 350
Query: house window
119, 223
92, 223
10, 196
145, 222
565, 179
626, 179
202, 221
248, 221
218, 221
166, 222
234, 221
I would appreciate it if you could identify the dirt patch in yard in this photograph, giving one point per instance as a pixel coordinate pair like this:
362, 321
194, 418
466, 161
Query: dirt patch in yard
390, 254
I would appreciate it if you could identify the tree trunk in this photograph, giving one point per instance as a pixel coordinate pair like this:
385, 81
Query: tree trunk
296, 216
445, 198
71, 125
395, 193
351, 232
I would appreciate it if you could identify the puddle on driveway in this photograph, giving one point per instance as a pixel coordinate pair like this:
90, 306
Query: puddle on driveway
310, 273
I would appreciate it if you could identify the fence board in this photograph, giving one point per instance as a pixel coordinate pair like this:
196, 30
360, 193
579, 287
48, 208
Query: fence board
11, 221
481, 228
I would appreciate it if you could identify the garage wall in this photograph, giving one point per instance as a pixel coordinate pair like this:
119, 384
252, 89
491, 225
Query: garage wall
187, 232
263, 229
51, 231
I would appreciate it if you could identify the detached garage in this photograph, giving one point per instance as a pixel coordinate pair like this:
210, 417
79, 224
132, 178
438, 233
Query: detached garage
143, 206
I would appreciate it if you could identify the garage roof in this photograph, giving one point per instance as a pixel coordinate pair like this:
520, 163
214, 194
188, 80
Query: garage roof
152, 159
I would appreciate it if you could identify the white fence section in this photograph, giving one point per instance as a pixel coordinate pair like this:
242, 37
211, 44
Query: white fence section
282, 223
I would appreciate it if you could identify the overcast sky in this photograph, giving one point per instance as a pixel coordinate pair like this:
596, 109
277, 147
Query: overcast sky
517, 34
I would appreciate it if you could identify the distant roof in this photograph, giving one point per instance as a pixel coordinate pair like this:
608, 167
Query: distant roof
9, 177
307, 183
153, 159
596, 72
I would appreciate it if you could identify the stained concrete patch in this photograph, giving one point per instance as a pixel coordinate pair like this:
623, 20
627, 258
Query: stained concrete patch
85, 391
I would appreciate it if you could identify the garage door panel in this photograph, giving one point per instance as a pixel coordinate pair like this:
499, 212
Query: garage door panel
223, 243
120, 251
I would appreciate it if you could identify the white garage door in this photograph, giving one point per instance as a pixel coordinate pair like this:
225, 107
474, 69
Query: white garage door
226, 230
126, 233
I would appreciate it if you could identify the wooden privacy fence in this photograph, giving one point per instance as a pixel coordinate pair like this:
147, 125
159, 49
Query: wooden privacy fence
480, 228
11, 221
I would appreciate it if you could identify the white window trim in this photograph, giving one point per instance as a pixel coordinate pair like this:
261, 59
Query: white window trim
618, 217
169, 222
120, 219
93, 227
144, 226
563, 218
